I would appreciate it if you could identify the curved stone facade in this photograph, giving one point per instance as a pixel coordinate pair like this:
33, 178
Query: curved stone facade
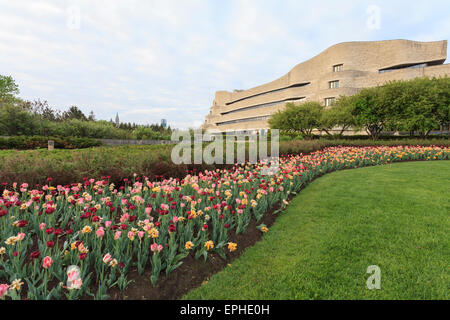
342, 69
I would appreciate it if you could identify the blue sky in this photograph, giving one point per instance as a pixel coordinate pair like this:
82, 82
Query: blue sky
149, 60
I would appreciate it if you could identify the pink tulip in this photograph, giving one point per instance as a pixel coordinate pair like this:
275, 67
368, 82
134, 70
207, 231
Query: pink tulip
117, 235
124, 217
42, 226
155, 247
100, 232
3, 290
108, 224
47, 263
107, 258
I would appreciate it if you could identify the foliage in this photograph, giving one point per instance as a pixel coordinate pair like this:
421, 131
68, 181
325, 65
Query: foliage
148, 133
303, 118
370, 112
19, 117
66, 166
339, 115
33, 142
8, 88
15, 119
417, 106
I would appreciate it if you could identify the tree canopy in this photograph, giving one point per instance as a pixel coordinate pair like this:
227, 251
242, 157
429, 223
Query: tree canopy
418, 106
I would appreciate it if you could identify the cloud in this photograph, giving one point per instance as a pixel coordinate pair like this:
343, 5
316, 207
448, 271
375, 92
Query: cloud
155, 59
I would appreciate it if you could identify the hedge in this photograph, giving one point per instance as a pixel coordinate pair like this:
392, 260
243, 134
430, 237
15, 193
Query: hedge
34, 142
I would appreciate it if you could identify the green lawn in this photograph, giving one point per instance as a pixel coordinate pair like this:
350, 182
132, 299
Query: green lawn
394, 216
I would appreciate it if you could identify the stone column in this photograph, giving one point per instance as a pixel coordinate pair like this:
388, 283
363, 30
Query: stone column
51, 144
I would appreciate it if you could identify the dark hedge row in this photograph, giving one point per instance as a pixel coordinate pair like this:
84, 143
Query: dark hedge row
34, 142
68, 166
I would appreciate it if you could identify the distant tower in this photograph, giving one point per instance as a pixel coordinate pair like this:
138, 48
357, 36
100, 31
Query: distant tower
164, 123
117, 120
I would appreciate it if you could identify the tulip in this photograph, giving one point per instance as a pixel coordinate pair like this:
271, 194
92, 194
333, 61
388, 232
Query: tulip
3, 290
107, 258
100, 232
47, 262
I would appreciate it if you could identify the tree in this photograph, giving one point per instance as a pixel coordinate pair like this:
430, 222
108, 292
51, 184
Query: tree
16, 120
339, 115
74, 113
91, 116
303, 118
421, 104
8, 89
442, 96
44, 111
370, 112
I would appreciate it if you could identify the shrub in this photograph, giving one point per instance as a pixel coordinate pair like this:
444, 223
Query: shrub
34, 142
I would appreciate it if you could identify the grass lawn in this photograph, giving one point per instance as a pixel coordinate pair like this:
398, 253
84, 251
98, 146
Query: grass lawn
394, 216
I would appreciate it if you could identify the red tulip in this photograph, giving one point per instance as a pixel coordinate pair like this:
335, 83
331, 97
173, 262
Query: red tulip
35, 254
22, 223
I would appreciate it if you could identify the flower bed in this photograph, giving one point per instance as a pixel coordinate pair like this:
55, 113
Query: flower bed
82, 239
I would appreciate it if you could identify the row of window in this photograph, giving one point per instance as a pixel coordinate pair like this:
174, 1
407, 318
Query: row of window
271, 91
263, 105
332, 85
420, 65
243, 120
328, 101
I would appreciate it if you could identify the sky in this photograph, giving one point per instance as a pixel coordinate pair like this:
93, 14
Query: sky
152, 59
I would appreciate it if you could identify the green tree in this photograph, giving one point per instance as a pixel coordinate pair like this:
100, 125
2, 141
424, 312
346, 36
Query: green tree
8, 89
91, 116
442, 96
74, 113
340, 115
370, 112
303, 118
422, 104
16, 119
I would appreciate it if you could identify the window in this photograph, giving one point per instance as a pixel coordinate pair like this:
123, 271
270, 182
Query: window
271, 91
414, 66
337, 68
333, 84
329, 101
243, 120
264, 105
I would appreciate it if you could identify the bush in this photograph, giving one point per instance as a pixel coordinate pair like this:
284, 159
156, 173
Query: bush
303, 118
146, 133
34, 142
